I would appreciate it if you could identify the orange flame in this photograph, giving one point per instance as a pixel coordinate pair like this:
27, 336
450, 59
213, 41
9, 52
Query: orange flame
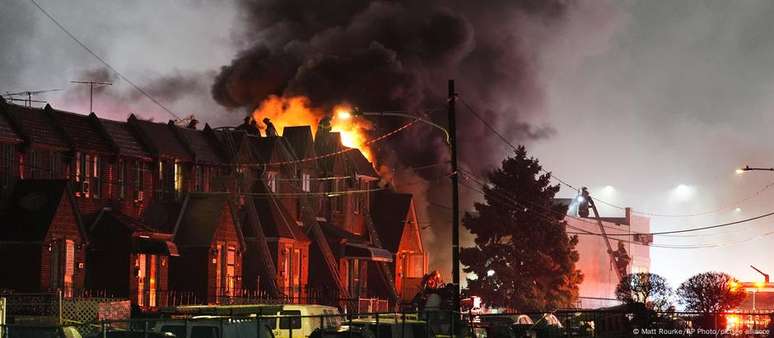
353, 129
298, 111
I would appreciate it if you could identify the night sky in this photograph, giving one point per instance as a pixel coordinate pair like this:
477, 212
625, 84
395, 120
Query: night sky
643, 96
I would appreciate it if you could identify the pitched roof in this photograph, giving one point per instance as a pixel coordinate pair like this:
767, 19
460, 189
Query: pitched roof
330, 142
200, 217
34, 205
390, 212
142, 237
199, 143
299, 140
82, 130
160, 139
36, 126
275, 220
232, 142
7, 132
361, 164
162, 215
127, 143
263, 148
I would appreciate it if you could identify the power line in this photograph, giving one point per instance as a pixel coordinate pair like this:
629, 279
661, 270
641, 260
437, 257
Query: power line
83, 45
562, 181
511, 198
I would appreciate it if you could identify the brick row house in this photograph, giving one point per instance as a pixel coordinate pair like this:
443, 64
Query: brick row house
160, 213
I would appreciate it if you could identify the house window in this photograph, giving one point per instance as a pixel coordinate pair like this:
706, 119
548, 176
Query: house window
69, 268
96, 171
146, 272
7, 156
271, 181
121, 179
337, 201
178, 183
198, 178
34, 164
230, 271
138, 176
354, 277
54, 164
306, 184
218, 261
84, 173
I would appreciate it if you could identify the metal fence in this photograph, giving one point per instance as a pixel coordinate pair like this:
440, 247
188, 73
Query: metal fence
429, 324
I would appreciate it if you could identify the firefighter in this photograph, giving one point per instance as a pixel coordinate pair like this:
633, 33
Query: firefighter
270, 130
622, 258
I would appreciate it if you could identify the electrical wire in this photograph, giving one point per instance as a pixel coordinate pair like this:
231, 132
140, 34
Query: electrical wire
564, 182
693, 229
105, 63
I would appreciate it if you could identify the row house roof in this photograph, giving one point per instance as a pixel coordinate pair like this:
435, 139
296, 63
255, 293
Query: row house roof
35, 126
124, 139
34, 205
160, 139
391, 213
7, 132
200, 144
83, 131
200, 216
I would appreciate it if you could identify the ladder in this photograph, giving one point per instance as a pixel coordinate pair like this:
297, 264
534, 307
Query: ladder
613, 263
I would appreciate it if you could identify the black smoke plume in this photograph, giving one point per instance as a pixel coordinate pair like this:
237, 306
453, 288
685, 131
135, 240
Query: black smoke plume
398, 55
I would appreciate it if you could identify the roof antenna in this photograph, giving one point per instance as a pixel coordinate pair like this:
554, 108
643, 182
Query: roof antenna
91, 90
29, 93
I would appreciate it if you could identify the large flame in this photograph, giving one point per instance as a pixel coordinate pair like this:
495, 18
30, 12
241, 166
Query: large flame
298, 111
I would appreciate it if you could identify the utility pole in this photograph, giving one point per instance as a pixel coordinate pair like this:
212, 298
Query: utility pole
91, 90
455, 197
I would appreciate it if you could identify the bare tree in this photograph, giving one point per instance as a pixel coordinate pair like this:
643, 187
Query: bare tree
711, 292
648, 289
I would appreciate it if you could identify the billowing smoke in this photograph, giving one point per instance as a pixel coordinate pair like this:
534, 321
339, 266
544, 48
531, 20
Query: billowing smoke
398, 55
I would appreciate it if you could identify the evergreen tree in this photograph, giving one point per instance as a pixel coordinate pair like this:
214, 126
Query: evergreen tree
523, 258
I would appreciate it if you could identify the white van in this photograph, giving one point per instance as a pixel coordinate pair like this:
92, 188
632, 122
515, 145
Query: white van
299, 321
213, 327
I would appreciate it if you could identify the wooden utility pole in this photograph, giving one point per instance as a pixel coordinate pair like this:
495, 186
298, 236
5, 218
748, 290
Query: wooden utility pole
455, 197
91, 90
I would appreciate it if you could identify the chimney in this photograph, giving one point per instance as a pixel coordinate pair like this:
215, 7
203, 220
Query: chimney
628, 216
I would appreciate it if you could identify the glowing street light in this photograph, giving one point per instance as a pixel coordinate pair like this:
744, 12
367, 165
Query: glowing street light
490, 273
343, 114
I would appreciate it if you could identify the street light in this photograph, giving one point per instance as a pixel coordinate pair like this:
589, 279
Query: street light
748, 168
490, 273
397, 113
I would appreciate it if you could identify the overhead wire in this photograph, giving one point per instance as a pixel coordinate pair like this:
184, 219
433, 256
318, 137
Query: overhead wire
103, 61
564, 182
513, 200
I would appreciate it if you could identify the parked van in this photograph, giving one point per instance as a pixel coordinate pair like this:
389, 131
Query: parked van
299, 321
214, 327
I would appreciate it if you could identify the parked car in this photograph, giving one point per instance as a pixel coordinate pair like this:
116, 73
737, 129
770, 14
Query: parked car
394, 327
42, 332
547, 325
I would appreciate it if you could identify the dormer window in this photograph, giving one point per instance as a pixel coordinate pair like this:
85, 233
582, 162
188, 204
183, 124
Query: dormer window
306, 182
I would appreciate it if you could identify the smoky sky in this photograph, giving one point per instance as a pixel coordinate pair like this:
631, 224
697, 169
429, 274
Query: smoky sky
398, 55
639, 95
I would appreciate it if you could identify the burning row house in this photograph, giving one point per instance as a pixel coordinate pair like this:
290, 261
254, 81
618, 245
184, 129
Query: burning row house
163, 214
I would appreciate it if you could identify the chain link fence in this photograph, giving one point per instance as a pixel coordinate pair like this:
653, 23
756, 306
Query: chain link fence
278, 321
